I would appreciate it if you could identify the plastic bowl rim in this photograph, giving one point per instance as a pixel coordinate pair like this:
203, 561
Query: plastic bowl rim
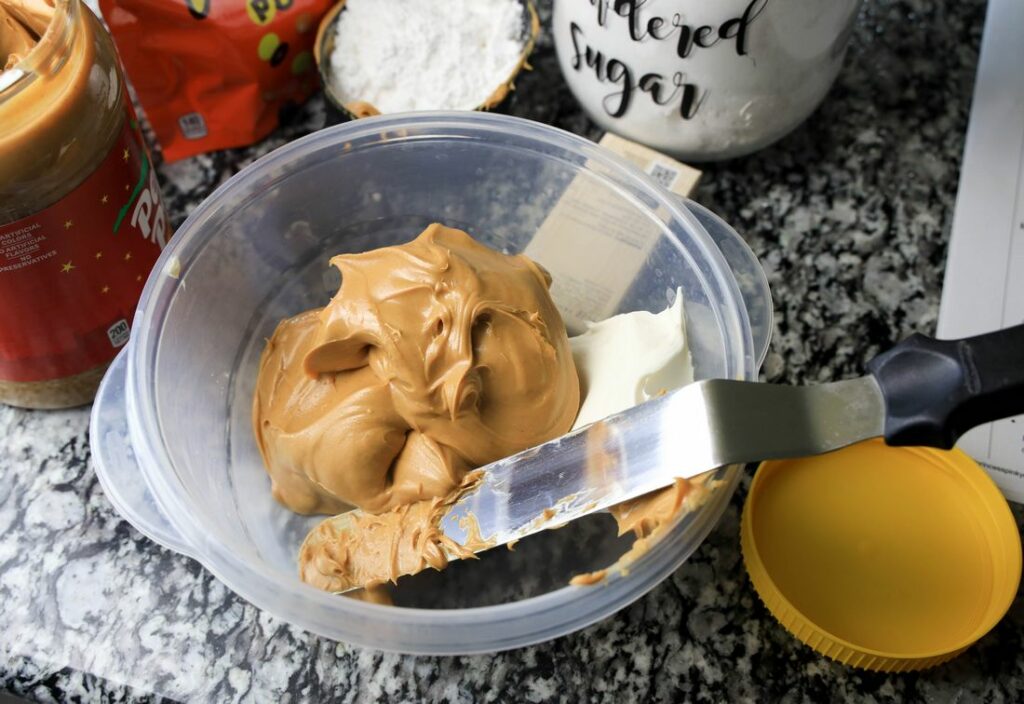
171, 496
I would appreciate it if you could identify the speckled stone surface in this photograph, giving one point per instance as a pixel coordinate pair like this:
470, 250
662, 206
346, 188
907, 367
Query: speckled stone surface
850, 215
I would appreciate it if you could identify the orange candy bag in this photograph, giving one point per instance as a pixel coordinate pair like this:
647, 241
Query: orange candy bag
213, 74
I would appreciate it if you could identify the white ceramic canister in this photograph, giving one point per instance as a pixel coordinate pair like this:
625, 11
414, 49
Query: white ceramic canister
701, 79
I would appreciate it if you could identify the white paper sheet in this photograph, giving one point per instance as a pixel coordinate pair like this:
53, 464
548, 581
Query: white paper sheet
984, 286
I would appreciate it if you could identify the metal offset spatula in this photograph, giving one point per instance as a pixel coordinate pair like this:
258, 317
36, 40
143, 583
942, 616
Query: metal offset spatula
922, 392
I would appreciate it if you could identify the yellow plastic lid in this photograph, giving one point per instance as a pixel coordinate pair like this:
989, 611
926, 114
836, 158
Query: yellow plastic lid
882, 558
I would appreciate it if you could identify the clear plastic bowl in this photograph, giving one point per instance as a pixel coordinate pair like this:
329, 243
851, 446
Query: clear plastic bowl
171, 435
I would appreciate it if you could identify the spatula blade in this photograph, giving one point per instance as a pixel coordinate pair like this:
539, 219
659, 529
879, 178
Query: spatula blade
700, 427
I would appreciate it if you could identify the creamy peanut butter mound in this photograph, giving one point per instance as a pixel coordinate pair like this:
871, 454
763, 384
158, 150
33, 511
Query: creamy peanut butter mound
372, 549
434, 357
22, 24
368, 550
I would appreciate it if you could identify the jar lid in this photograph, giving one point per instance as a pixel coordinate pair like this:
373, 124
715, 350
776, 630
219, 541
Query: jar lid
882, 558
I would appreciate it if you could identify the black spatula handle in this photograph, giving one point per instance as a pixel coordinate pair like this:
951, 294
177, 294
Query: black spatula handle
937, 390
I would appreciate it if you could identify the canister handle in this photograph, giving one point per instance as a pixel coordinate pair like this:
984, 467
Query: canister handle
116, 467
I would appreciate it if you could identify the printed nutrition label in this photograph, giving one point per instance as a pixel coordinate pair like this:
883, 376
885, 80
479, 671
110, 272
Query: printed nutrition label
984, 287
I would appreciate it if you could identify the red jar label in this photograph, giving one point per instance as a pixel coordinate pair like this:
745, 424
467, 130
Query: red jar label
71, 275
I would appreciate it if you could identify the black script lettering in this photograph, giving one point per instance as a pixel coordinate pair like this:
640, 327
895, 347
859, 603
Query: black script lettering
693, 97
630, 9
575, 32
618, 72
655, 24
736, 28
706, 36
700, 37
653, 84
690, 36
685, 42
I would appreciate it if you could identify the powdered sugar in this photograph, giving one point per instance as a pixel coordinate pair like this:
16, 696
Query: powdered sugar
425, 54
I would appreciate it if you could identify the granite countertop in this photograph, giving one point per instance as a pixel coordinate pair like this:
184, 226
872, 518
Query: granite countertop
850, 215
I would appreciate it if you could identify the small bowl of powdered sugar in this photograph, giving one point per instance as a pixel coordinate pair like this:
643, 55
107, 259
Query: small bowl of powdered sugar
388, 56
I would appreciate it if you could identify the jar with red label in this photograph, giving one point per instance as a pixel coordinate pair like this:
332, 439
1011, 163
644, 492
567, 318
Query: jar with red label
81, 220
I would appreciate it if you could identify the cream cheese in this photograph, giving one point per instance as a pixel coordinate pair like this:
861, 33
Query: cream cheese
631, 358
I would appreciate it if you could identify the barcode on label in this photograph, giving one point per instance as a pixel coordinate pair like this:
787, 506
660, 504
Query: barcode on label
192, 125
118, 333
665, 175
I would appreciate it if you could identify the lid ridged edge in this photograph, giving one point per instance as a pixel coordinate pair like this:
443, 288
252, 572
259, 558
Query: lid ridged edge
805, 631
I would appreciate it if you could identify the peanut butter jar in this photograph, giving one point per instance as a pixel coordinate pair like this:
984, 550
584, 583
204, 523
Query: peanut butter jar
81, 220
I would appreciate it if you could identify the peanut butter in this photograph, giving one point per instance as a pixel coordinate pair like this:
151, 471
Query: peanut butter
434, 357
363, 550
643, 515
648, 517
373, 549
16, 40
384, 398
22, 24
56, 123
33, 15
75, 178
367, 550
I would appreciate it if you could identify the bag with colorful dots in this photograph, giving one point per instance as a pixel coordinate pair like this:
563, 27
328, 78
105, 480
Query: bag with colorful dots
214, 74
